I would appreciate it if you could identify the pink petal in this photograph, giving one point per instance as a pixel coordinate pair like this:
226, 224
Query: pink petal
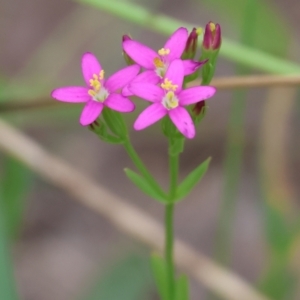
176, 43
71, 94
90, 112
195, 94
190, 66
147, 76
183, 121
147, 91
140, 53
90, 66
175, 73
121, 78
150, 115
119, 103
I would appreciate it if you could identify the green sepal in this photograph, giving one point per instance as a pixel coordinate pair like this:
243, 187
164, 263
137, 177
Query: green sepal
159, 270
101, 130
177, 146
114, 122
198, 118
182, 288
169, 129
145, 186
191, 180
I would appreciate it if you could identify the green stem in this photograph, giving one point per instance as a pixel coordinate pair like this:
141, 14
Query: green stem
140, 165
169, 245
169, 217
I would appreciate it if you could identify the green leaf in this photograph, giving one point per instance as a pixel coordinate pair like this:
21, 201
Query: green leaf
191, 180
144, 185
279, 233
182, 288
159, 270
14, 186
7, 281
128, 279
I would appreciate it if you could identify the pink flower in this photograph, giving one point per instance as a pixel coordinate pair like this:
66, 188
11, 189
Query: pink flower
170, 99
157, 63
98, 92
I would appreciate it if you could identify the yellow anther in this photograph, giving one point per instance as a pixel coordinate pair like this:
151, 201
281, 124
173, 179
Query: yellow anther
92, 93
212, 27
101, 76
163, 51
167, 85
199, 31
158, 63
172, 100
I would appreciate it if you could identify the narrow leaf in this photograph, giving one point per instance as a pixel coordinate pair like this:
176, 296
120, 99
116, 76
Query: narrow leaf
182, 288
191, 180
159, 270
7, 283
144, 185
14, 186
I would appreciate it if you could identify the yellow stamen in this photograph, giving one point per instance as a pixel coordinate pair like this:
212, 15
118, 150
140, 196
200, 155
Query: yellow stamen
199, 31
92, 93
167, 85
172, 101
212, 27
101, 75
163, 51
158, 63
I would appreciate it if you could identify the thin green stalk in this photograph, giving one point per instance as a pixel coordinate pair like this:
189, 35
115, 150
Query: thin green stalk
231, 50
169, 218
140, 165
169, 246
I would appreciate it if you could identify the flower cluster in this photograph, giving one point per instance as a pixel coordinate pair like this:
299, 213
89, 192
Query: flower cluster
160, 82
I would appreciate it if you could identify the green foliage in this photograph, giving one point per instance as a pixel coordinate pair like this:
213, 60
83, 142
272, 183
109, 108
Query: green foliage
145, 186
159, 270
128, 279
14, 186
182, 288
191, 180
7, 282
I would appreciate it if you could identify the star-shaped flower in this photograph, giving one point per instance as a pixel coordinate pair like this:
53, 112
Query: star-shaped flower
169, 99
157, 63
98, 92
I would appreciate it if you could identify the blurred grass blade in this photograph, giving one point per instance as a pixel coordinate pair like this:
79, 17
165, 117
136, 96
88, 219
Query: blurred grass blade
7, 282
182, 288
248, 56
144, 185
129, 279
14, 186
192, 179
159, 271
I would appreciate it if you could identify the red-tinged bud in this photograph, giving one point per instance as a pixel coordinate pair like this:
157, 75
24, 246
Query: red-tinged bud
199, 108
191, 44
129, 61
212, 37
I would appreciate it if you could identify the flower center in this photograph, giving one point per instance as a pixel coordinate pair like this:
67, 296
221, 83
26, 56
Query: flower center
98, 92
160, 62
170, 100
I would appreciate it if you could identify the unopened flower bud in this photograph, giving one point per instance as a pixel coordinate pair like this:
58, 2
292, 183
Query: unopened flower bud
212, 37
191, 44
129, 61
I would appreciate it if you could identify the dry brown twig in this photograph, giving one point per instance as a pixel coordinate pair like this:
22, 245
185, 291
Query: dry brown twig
122, 215
233, 82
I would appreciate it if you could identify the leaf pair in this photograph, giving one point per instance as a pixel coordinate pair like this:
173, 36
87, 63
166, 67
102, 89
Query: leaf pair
183, 189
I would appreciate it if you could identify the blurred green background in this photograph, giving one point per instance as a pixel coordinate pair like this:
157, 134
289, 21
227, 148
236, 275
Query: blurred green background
244, 214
